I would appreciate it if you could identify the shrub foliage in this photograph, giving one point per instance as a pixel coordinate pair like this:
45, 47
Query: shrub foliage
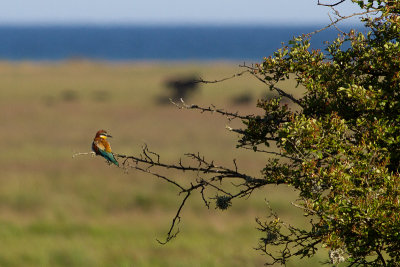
338, 145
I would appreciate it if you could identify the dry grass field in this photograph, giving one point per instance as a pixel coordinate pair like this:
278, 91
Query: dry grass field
56, 210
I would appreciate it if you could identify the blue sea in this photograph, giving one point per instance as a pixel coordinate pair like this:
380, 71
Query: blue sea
127, 43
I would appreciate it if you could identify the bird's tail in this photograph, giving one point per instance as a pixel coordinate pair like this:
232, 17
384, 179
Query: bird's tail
109, 156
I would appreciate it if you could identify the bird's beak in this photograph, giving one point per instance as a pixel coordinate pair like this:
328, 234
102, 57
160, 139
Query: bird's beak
109, 135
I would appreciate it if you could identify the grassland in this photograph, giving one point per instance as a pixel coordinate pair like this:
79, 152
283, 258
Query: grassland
56, 210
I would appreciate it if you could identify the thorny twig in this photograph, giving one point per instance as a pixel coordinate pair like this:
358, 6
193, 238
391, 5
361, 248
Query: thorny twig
331, 5
210, 176
294, 242
340, 18
84, 153
175, 220
230, 115
223, 79
254, 71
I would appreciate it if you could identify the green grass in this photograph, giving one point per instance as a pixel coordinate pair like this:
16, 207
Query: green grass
56, 210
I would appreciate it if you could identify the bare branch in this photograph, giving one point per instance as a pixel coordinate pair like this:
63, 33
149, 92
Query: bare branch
331, 5
271, 85
204, 167
217, 188
223, 79
212, 109
289, 96
84, 153
147, 170
207, 203
210, 176
175, 220
340, 18
256, 149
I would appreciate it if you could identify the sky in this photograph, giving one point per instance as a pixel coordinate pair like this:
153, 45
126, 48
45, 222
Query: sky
175, 12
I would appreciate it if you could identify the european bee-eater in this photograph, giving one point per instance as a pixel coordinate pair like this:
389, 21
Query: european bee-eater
102, 147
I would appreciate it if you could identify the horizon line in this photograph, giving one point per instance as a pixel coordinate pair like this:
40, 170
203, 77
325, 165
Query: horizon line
105, 24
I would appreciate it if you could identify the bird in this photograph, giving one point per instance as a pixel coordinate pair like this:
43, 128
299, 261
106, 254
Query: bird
101, 146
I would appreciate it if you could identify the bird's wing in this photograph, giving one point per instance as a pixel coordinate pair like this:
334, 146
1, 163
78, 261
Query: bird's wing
98, 144
106, 145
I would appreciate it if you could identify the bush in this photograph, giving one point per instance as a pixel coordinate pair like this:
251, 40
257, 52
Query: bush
339, 146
